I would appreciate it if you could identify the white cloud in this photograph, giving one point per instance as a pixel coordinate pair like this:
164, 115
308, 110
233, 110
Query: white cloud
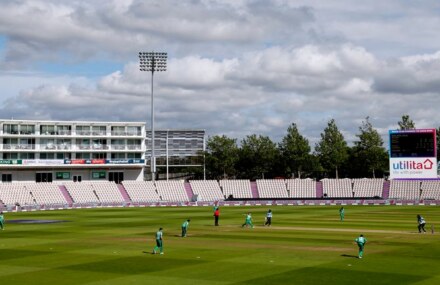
234, 68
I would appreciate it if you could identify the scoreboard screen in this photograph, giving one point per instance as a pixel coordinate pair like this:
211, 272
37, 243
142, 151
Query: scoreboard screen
413, 143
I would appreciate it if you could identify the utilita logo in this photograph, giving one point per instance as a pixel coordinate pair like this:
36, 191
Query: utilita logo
427, 164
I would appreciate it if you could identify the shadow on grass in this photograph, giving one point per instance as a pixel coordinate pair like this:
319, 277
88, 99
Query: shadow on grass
349, 255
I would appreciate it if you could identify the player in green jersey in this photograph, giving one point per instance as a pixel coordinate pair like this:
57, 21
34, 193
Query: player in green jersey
248, 221
2, 221
361, 241
159, 242
342, 213
185, 227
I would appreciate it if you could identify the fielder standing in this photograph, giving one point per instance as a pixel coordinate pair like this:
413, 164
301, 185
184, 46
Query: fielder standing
159, 242
185, 227
361, 241
2, 221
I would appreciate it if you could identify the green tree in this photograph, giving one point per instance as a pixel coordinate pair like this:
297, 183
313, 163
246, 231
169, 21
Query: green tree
257, 156
406, 123
332, 148
369, 148
221, 156
295, 150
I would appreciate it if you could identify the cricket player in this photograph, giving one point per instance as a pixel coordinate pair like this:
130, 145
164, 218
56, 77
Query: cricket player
159, 242
421, 221
361, 241
248, 221
268, 221
342, 213
185, 227
2, 221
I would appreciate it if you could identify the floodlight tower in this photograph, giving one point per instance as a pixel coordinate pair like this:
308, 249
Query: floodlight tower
154, 62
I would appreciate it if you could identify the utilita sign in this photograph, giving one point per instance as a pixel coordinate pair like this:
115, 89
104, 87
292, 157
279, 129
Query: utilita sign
413, 168
413, 154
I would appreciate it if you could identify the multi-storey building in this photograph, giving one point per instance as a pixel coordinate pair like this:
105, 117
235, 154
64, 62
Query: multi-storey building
45, 151
175, 149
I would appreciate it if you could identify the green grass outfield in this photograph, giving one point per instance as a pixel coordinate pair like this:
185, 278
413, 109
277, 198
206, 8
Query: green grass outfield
305, 245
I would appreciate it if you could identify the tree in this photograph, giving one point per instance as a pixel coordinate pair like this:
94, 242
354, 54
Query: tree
295, 150
257, 156
406, 123
369, 148
221, 156
332, 148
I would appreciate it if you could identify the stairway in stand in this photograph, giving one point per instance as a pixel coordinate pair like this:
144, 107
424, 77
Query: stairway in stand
254, 190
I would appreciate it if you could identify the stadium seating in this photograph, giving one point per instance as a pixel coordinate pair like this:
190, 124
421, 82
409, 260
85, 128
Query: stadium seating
430, 190
31, 195
365, 187
268, 188
13, 193
46, 193
301, 188
207, 190
405, 189
337, 188
172, 190
236, 188
107, 192
81, 193
141, 191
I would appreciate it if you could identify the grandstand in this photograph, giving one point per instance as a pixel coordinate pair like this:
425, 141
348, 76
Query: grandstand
337, 188
430, 190
141, 191
31, 195
238, 189
301, 188
363, 187
207, 190
405, 189
272, 188
172, 190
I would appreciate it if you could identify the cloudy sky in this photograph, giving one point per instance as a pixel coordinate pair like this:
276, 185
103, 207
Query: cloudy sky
235, 67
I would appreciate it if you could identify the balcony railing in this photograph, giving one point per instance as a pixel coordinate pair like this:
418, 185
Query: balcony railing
18, 146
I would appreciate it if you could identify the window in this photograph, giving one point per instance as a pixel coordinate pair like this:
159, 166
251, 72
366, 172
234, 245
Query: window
64, 130
133, 131
134, 156
99, 144
27, 143
117, 177
10, 129
27, 155
83, 143
27, 129
43, 177
45, 155
64, 143
10, 143
47, 129
47, 144
118, 130
6, 177
82, 155
83, 130
12, 155
63, 155
99, 155
134, 144
118, 144
116, 156
99, 130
